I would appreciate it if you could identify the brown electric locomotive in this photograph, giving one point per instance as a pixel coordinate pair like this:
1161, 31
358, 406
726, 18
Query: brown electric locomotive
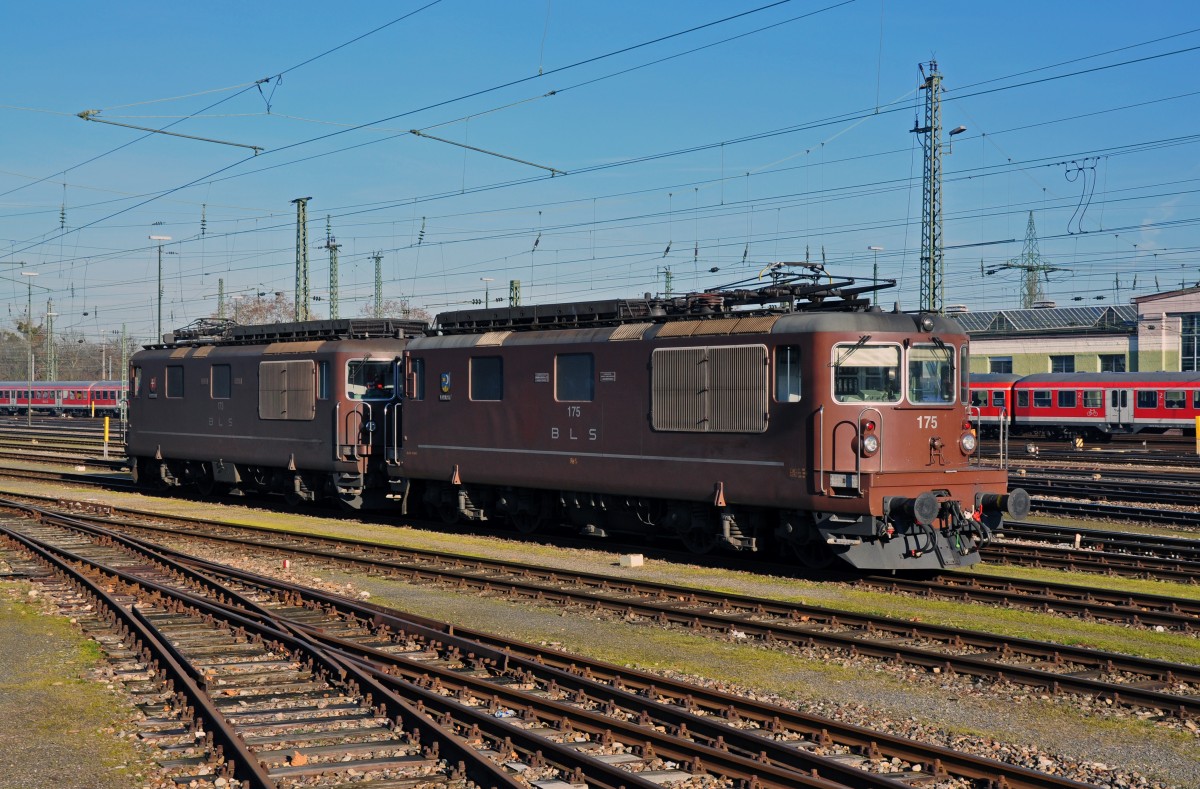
793, 418
291, 408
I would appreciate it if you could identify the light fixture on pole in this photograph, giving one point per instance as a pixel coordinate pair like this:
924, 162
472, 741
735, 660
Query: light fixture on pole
160, 288
487, 284
875, 274
29, 333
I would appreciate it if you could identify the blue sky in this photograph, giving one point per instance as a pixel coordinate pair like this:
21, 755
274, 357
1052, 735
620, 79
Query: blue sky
781, 133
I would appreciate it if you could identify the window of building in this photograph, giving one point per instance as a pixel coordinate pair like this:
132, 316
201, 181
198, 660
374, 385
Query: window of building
1041, 398
1112, 362
1093, 398
1147, 399
174, 381
787, 374
1189, 342
1022, 399
487, 378
221, 382
1066, 398
1062, 364
1175, 398
574, 378
1000, 364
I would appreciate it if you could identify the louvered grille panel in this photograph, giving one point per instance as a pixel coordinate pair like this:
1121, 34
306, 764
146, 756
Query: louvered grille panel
679, 397
301, 389
287, 390
738, 389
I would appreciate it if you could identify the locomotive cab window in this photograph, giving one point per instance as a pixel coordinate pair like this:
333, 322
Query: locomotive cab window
369, 380
931, 374
964, 372
787, 374
868, 373
416, 378
487, 378
574, 378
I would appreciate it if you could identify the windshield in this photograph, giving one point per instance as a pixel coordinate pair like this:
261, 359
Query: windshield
370, 380
869, 373
930, 374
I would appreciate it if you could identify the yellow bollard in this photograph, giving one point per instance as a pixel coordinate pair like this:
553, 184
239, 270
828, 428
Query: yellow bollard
106, 419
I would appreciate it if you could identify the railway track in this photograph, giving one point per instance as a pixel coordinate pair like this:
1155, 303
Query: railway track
450, 705
1168, 688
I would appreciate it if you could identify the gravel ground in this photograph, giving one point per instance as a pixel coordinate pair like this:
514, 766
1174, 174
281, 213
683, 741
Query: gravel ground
61, 725
1119, 749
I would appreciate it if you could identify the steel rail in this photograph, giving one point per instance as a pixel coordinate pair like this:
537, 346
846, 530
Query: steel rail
801, 625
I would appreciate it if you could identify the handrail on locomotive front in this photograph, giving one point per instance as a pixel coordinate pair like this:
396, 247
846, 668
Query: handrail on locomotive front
858, 455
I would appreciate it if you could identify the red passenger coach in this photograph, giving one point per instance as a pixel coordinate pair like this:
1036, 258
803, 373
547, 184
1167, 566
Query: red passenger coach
63, 398
1097, 405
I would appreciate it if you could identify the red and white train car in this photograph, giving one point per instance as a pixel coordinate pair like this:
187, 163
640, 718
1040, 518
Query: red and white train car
62, 398
1090, 404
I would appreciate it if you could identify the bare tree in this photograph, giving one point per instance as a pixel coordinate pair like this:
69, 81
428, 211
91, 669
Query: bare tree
396, 308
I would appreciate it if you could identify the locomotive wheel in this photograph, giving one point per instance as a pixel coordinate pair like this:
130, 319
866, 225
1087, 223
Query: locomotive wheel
700, 540
448, 512
812, 553
526, 522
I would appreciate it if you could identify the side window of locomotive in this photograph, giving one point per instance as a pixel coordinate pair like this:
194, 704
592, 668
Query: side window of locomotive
135, 383
1175, 399
174, 381
221, 382
322, 380
931, 374
487, 378
1041, 398
417, 383
1066, 399
787, 374
1147, 399
1093, 398
367, 380
866, 373
574, 378
964, 372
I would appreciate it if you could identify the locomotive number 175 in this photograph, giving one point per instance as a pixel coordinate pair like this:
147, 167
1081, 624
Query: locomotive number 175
927, 422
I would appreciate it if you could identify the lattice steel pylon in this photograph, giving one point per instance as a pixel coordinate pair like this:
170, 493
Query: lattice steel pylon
333, 247
302, 296
378, 258
931, 203
1035, 267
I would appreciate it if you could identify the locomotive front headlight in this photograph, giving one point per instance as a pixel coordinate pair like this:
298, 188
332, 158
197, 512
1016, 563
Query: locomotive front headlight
968, 443
870, 444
